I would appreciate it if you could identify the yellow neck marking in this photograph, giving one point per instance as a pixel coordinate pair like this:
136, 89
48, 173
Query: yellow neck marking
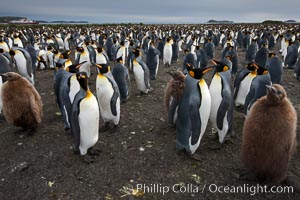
89, 94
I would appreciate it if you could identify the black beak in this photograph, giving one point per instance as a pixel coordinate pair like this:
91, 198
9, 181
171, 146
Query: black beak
270, 89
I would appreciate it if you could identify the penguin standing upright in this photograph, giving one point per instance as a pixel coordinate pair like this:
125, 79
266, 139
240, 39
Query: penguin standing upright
152, 61
66, 87
243, 83
23, 62
108, 96
83, 55
193, 111
220, 89
122, 78
22, 104
269, 137
257, 88
101, 56
167, 52
141, 74
173, 95
210, 49
275, 68
85, 119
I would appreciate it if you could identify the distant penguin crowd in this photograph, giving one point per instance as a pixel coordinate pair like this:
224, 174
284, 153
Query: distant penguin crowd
123, 54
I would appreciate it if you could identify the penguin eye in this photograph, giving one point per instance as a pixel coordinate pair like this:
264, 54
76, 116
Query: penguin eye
279, 92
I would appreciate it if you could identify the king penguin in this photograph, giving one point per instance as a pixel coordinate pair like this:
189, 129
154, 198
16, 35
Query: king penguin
193, 111
141, 73
275, 68
108, 96
83, 55
220, 89
23, 62
242, 84
167, 52
122, 78
258, 87
66, 87
85, 119
152, 60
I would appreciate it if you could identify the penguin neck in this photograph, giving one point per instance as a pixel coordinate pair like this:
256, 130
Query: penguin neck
88, 93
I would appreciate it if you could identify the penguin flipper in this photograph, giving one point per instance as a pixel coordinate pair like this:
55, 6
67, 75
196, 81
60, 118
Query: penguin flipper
249, 99
224, 106
238, 80
114, 98
146, 74
195, 125
75, 128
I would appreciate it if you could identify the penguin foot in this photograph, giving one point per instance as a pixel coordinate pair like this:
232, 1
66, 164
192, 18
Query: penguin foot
89, 159
194, 157
93, 151
248, 175
217, 146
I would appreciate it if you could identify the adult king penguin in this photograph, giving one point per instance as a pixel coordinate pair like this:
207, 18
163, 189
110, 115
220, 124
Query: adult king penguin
23, 62
221, 114
85, 119
122, 78
167, 52
193, 111
108, 96
141, 73
152, 60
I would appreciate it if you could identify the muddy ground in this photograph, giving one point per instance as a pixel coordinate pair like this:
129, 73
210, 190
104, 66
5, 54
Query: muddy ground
141, 151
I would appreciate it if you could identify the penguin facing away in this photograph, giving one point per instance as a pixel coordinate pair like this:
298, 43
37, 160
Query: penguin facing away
269, 137
122, 78
275, 68
220, 89
85, 119
193, 111
152, 61
108, 96
22, 104
173, 95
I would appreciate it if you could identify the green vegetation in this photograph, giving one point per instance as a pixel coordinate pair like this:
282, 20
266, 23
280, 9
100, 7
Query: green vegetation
272, 22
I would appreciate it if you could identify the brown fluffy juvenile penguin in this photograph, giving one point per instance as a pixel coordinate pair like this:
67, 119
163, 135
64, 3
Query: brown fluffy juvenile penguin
173, 95
269, 136
22, 104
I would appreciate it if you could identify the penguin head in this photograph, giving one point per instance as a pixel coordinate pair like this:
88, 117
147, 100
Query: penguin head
197, 73
120, 60
220, 66
100, 49
275, 94
82, 79
272, 54
103, 68
136, 52
58, 66
65, 54
252, 67
261, 70
75, 67
80, 49
11, 76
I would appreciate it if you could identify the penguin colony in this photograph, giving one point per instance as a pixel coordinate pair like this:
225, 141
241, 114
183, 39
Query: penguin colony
191, 104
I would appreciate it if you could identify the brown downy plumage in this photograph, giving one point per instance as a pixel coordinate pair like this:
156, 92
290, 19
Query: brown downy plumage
174, 88
22, 104
269, 135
